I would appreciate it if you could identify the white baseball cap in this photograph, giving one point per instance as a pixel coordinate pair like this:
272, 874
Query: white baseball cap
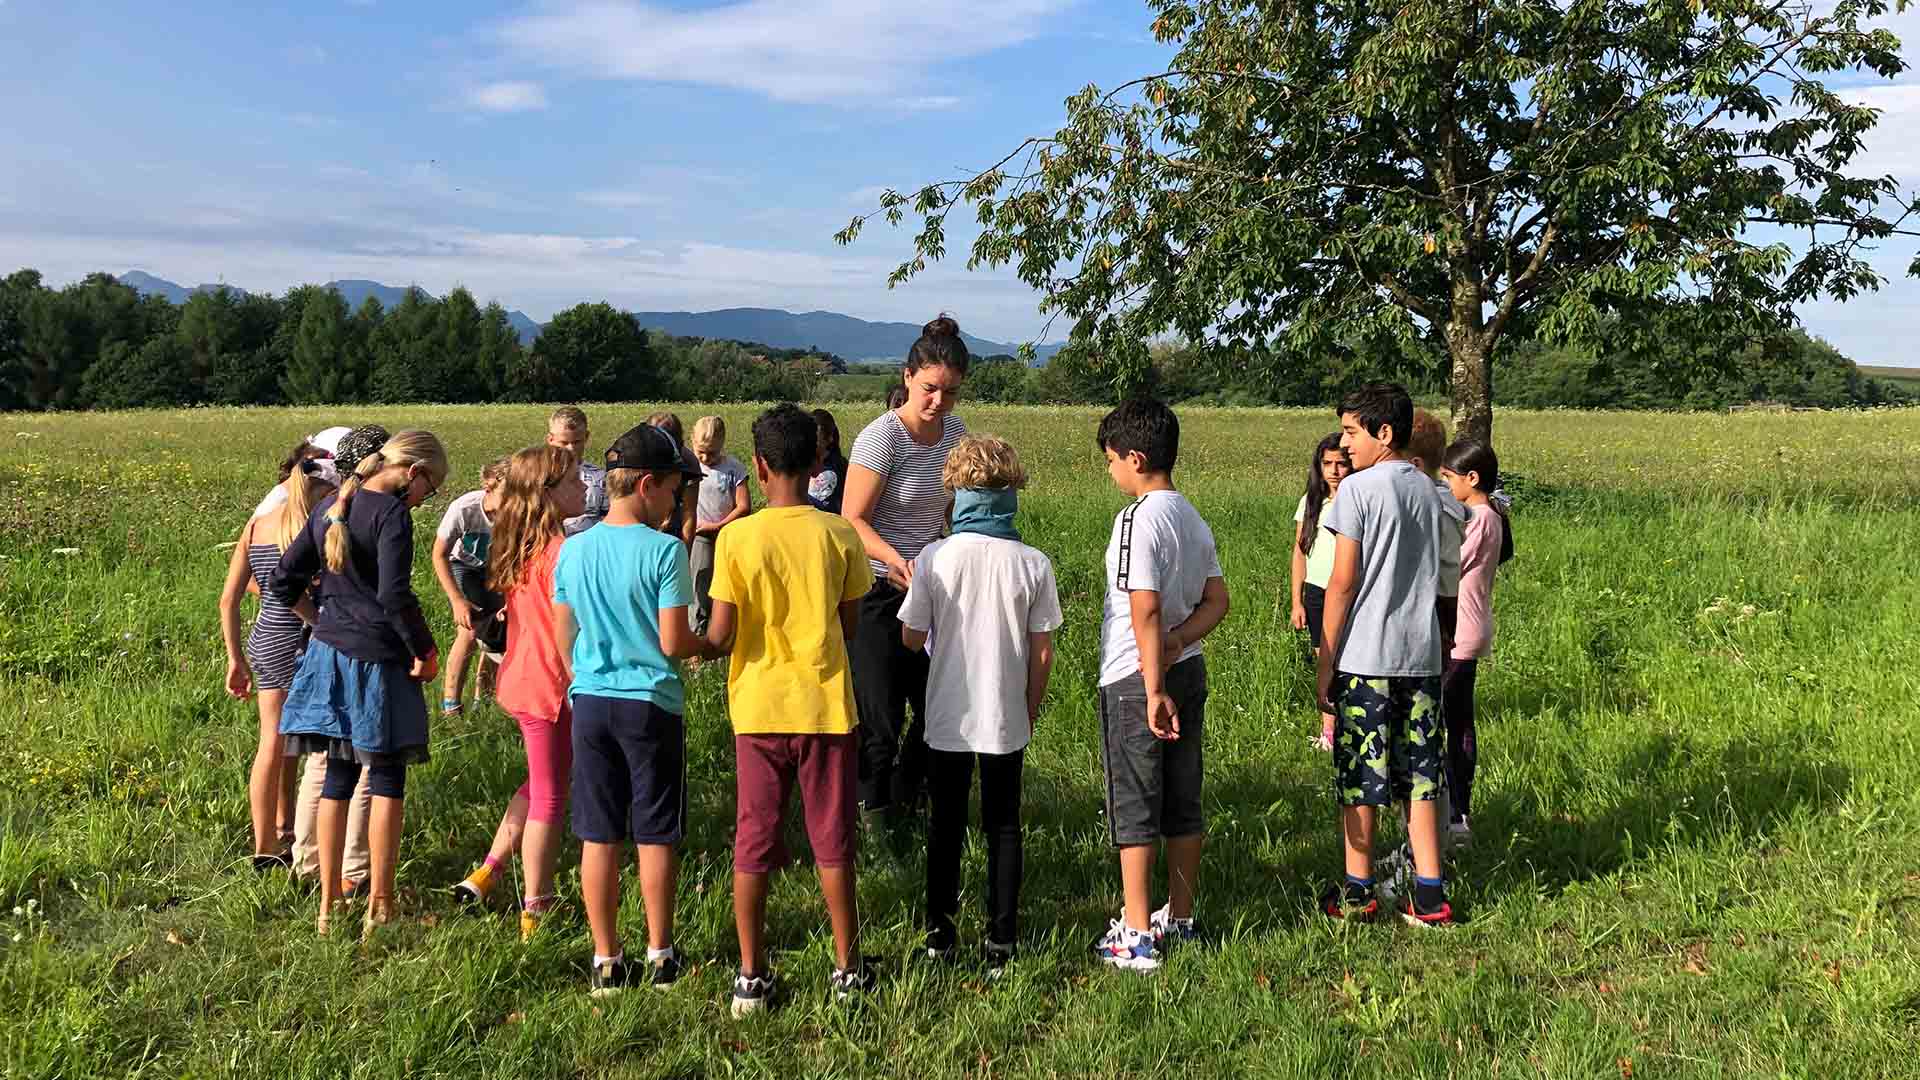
329, 440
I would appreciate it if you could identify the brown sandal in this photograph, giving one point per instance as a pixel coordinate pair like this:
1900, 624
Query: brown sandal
379, 913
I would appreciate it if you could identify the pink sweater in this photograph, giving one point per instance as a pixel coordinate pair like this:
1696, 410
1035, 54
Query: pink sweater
1479, 558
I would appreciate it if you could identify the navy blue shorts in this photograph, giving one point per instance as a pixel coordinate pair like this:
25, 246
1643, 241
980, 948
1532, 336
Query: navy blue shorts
629, 772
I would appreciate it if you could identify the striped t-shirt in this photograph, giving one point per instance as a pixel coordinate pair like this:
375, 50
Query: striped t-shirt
912, 509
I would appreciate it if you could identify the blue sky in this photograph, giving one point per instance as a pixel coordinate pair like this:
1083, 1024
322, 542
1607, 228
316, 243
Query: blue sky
657, 155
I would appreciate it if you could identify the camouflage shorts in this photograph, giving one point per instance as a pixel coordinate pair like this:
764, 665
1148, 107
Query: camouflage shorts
1391, 743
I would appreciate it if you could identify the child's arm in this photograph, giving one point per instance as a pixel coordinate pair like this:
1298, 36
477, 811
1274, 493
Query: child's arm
677, 639
720, 629
1195, 628
1333, 627
914, 640
1299, 576
565, 629
443, 572
1149, 636
1039, 669
239, 676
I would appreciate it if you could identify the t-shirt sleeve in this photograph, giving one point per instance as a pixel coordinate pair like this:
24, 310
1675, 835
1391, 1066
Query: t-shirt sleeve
874, 448
1346, 517
676, 577
451, 523
916, 611
1146, 552
563, 573
1480, 546
1300, 512
724, 586
1044, 616
859, 579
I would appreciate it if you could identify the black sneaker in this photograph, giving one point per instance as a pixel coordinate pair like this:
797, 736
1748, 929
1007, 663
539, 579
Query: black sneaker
940, 946
1436, 916
665, 971
1349, 904
998, 956
610, 977
751, 994
266, 864
850, 983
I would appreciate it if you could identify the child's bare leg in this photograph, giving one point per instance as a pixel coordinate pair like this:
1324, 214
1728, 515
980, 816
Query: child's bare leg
600, 892
1423, 832
506, 838
750, 920
483, 682
1183, 873
454, 688
384, 824
659, 873
1357, 826
843, 911
264, 785
330, 838
1136, 884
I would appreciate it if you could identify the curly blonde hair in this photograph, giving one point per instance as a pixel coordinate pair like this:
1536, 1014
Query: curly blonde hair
983, 461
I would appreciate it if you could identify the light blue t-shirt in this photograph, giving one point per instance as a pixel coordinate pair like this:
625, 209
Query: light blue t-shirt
616, 578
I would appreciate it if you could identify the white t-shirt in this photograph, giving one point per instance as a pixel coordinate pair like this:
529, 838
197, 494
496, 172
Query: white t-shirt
911, 511
466, 529
595, 479
274, 500
984, 595
1161, 544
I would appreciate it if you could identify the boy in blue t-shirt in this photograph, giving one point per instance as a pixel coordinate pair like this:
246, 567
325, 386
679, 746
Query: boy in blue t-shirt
620, 593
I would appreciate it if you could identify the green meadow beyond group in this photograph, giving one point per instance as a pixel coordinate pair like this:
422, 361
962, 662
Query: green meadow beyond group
886, 634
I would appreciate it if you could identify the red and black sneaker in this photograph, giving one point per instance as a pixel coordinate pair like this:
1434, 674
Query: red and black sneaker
1414, 913
1349, 904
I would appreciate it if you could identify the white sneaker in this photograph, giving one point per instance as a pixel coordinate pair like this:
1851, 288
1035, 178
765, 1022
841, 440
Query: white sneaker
1165, 927
1393, 874
1125, 947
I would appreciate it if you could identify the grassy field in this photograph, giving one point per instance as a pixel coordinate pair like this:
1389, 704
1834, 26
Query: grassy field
1697, 844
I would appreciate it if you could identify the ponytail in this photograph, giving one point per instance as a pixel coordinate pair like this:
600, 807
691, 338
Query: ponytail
338, 545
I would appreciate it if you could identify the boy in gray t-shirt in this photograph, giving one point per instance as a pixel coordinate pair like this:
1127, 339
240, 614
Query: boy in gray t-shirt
1380, 672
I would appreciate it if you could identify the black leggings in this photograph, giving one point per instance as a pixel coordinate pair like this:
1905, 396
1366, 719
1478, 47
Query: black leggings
1456, 707
888, 678
950, 780
383, 781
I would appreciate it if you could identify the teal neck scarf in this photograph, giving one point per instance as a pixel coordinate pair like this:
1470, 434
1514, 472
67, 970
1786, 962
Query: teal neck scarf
987, 511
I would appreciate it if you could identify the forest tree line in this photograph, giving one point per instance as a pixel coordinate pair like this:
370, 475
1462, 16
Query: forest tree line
98, 343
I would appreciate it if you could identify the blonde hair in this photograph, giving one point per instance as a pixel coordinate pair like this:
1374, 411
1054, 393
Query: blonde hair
304, 492
708, 431
404, 450
983, 461
527, 520
1427, 440
493, 472
569, 417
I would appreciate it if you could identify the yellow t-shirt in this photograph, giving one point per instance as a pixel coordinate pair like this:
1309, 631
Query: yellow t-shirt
786, 570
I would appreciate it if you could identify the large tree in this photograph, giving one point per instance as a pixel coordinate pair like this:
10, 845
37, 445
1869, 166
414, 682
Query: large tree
589, 352
1342, 175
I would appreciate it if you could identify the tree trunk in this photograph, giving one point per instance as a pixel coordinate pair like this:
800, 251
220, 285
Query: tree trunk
1471, 385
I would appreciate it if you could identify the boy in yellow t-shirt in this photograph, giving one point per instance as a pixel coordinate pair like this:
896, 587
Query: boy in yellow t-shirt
786, 589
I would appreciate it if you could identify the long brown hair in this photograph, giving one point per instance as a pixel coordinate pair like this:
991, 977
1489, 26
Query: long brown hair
304, 491
527, 520
408, 448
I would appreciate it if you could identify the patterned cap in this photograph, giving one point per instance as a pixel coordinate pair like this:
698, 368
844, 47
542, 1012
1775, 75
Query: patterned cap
355, 445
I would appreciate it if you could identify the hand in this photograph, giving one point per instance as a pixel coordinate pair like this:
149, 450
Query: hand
239, 680
900, 574
425, 668
463, 614
1299, 619
1323, 683
1163, 719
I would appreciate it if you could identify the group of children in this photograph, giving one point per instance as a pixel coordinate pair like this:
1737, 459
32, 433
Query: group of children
599, 617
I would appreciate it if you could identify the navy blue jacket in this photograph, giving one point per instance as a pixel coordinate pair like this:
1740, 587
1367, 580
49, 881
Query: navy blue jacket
369, 611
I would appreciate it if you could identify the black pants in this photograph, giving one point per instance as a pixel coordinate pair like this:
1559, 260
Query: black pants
888, 678
1456, 706
950, 778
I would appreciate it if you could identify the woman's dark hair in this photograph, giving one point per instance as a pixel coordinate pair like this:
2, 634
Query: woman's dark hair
939, 346
829, 430
1473, 456
897, 396
1317, 491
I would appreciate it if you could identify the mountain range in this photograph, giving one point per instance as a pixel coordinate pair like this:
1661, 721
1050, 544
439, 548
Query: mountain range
842, 335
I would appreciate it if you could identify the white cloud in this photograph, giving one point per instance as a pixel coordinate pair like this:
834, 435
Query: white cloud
508, 97
1893, 146
929, 103
812, 51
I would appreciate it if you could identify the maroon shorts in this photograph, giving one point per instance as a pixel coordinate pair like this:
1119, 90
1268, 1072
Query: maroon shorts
827, 769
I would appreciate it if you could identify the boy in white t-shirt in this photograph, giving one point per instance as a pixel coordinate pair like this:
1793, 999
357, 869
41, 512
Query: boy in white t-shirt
722, 500
990, 606
1165, 593
460, 566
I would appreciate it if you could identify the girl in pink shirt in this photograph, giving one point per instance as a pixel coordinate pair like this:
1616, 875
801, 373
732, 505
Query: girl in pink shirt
1472, 472
541, 491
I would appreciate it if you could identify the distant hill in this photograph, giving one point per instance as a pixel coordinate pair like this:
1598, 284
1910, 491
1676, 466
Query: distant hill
353, 290
843, 335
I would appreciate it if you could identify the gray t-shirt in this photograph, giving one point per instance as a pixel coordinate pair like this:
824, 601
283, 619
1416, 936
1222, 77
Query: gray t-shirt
717, 487
1394, 513
596, 505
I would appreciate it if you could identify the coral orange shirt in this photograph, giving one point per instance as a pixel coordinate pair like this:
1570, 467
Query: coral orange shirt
532, 682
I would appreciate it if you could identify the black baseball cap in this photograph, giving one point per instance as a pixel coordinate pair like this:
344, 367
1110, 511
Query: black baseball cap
650, 449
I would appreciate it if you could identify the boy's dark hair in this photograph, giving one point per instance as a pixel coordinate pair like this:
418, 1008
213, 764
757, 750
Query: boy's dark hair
939, 346
1146, 426
1381, 404
787, 438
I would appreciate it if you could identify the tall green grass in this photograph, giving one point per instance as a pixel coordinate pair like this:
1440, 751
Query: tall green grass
1697, 835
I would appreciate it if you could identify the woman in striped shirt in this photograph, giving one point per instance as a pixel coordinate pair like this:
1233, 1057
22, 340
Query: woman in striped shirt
896, 502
